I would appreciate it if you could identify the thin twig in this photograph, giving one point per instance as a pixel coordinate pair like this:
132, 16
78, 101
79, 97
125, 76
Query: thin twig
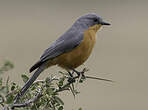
91, 77
6, 108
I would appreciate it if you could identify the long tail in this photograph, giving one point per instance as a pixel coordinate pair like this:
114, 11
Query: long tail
30, 81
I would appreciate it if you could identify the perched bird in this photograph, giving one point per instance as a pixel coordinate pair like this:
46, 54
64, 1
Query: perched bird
71, 49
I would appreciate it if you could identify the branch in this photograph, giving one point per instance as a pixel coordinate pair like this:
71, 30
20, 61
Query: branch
67, 86
27, 103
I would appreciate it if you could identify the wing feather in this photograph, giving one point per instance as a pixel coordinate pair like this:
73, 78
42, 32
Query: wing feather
65, 43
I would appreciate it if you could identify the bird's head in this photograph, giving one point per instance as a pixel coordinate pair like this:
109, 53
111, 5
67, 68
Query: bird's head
90, 20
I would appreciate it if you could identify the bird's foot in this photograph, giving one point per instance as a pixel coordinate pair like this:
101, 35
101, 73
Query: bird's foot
71, 80
80, 76
81, 73
70, 74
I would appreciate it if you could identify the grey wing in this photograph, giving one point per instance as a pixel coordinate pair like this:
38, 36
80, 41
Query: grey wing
65, 43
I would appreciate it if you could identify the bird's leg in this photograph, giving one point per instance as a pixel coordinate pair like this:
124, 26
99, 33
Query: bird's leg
71, 78
83, 71
70, 74
80, 76
80, 73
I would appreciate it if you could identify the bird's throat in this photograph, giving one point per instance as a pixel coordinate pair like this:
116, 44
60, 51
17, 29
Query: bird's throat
95, 27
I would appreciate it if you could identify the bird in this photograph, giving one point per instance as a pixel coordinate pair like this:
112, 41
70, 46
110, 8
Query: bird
71, 49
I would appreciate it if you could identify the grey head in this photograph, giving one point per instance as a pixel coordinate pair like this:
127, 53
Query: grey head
89, 20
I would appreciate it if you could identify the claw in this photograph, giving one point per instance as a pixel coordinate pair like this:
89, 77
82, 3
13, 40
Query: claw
71, 80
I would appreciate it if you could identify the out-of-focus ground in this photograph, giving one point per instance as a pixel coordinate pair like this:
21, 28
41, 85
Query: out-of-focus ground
27, 28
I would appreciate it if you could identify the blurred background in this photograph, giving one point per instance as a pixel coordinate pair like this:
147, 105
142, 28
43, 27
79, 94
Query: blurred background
28, 27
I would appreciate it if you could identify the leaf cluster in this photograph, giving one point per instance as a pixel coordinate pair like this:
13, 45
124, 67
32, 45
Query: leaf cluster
42, 95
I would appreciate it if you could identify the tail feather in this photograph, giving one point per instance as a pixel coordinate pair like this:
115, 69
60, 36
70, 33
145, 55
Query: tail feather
30, 81
35, 66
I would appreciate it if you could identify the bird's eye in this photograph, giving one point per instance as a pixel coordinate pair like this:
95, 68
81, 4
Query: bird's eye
95, 20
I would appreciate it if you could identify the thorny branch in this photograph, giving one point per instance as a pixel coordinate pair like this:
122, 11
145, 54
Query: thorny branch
39, 95
27, 103
66, 86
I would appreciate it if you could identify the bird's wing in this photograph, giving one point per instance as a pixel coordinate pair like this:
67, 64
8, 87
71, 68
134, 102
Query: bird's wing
65, 43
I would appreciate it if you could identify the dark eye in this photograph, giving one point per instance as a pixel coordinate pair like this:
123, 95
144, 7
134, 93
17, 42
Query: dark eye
95, 20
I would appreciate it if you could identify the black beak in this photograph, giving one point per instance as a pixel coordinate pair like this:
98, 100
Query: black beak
104, 23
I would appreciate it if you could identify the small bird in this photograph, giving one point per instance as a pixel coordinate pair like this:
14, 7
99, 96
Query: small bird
71, 49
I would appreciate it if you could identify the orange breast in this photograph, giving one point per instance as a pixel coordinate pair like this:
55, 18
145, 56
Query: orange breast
80, 54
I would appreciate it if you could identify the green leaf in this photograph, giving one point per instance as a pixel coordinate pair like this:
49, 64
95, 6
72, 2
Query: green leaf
48, 80
61, 108
7, 85
1, 99
1, 81
3, 89
61, 82
59, 100
80, 109
81, 81
13, 86
9, 99
9, 65
61, 72
25, 78
49, 91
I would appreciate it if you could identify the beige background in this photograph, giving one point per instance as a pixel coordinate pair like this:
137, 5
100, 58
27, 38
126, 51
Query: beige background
28, 27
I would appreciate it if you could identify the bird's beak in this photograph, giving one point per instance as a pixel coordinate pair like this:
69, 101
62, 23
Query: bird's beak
104, 23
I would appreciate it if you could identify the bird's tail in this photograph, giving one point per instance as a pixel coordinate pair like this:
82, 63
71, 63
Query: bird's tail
30, 81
